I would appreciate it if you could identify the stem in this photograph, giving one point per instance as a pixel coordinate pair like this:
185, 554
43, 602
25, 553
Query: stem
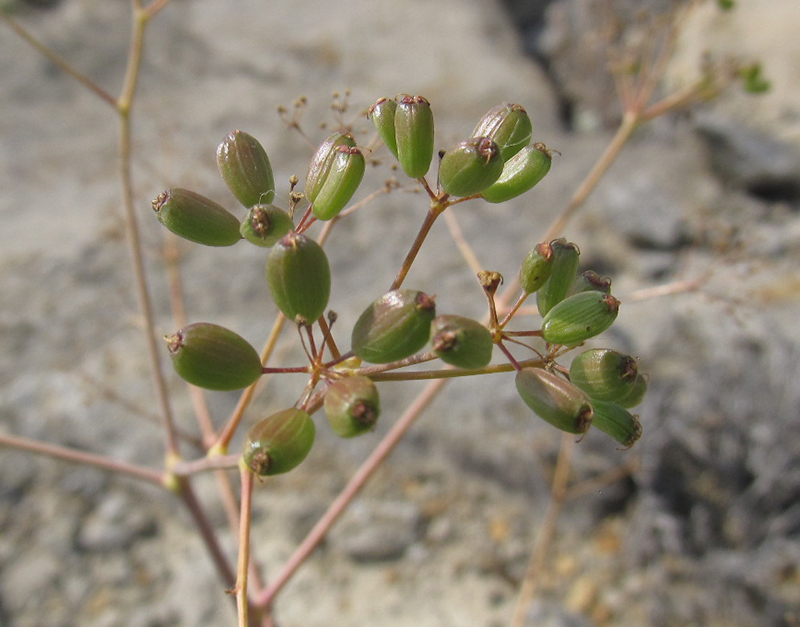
244, 546
80, 457
629, 123
376, 458
434, 211
539, 554
58, 61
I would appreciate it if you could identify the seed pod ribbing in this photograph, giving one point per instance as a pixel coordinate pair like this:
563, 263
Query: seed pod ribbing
278, 443
352, 406
565, 266
299, 278
394, 326
520, 174
245, 168
555, 399
213, 357
604, 374
617, 422
579, 318
265, 225
470, 167
536, 268
508, 126
196, 218
461, 342
413, 126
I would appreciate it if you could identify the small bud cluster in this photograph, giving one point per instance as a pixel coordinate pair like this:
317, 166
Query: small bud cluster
497, 162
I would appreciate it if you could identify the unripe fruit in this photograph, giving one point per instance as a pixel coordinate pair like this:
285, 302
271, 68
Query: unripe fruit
213, 357
394, 326
382, 114
604, 374
470, 167
617, 422
579, 318
508, 126
536, 268
590, 281
265, 225
565, 267
413, 125
299, 278
555, 399
520, 174
245, 168
352, 406
340, 182
461, 342
196, 218
322, 161
279, 443
637, 393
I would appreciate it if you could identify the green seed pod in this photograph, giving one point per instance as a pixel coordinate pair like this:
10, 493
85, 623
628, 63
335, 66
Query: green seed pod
604, 374
196, 218
637, 393
461, 342
554, 399
245, 168
340, 183
393, 327
213, 357
520, 174
590, 281
265, 225
579, 317
279, 443
352, 406
508, 126
299, 278
382, 115
470, 167
322, 161
565, 266
617, 422
536, 268
413, 126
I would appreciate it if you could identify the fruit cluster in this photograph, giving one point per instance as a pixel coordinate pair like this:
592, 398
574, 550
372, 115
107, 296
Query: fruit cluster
498, 162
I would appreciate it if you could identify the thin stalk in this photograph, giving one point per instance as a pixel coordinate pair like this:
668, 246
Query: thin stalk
448, 373
629, 123
80, 457
354, 486
58, 61
434, 211
547, 531
245, 511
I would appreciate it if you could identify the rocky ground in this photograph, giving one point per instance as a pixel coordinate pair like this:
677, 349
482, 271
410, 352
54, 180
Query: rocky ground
702, 530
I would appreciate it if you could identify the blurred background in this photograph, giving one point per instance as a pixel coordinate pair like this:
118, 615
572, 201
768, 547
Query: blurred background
696, 525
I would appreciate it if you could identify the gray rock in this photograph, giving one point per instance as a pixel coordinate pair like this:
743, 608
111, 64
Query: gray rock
377, 531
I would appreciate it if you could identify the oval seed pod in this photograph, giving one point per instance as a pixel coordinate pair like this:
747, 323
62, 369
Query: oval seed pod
555, 399
382, 116
536, 268
470, 167
213, 357
322, 161
508, 126
565, 266
278, 443
604, 374
617, 422
461, 342
245, 168
352, 406
637, 393
265, 225
579, 317
340, 182
393, 327
413, 127
299, 278
196, 218
520, 174
590, 281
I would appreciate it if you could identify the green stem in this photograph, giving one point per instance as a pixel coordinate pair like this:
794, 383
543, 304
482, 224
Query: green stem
436, 208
